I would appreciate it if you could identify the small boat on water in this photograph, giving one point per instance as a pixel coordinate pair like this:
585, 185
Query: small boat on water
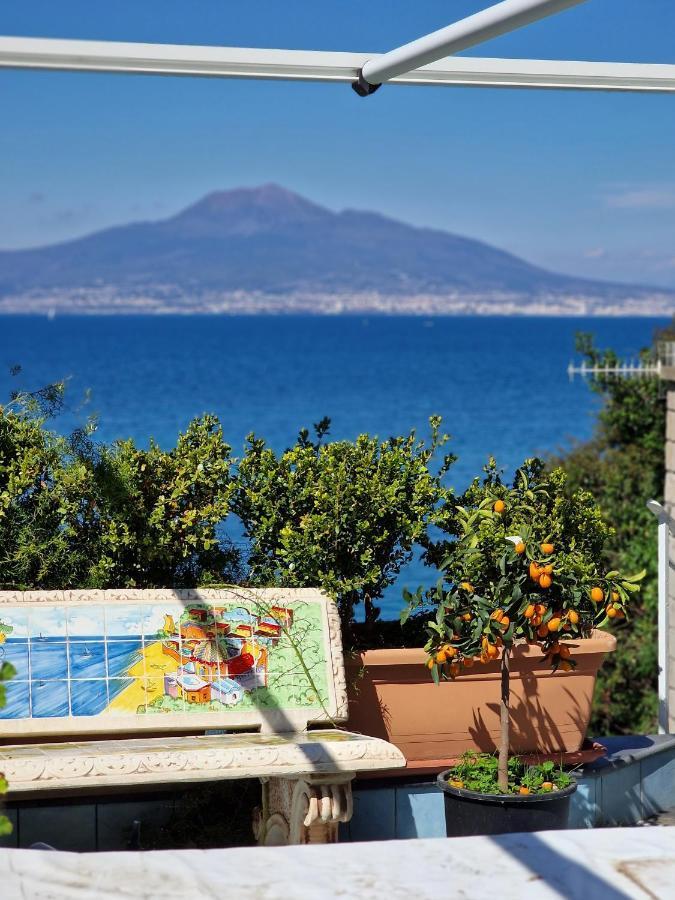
86, 653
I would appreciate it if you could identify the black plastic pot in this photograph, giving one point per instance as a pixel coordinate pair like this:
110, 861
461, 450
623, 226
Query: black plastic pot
467, 812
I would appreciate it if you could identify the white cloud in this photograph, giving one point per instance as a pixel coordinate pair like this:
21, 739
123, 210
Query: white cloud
645, 197
595, 253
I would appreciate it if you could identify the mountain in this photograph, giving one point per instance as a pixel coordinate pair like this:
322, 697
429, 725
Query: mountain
270, 243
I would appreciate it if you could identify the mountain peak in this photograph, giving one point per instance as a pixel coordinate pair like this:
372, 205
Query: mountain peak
246, 211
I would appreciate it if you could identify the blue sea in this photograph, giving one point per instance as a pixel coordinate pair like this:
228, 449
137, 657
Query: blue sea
501, 384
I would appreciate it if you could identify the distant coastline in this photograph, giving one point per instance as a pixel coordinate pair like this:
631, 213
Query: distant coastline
108, 302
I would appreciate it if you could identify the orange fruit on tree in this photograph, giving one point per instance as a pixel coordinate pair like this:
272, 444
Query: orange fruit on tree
499, 506
548, 569
523, 790
542, 631
536, 620
529, 612
505, 622
611, 612
450, 652
520, 548
535, 571
467, 617
615, 596
553, 624
492, 651
547, 549
540, 608
467, 586
441, 657
573, 616
597, 595
497, 615
545, 581
430, 663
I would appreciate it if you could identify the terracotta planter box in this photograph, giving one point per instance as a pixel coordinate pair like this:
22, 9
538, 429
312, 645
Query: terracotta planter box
392, 696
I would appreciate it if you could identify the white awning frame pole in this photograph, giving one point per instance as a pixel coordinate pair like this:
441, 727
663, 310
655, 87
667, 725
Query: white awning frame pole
322, 66
666, 526
483, 26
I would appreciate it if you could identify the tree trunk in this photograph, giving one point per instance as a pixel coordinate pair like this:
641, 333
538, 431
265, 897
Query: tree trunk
503, 768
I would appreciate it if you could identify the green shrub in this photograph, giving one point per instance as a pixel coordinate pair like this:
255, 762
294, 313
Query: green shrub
76, 514
623, 467
343, 516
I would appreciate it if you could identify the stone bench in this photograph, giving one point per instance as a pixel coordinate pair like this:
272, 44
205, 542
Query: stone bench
168, 687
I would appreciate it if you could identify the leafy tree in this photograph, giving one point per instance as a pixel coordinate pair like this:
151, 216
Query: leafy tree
623, 467
342, 515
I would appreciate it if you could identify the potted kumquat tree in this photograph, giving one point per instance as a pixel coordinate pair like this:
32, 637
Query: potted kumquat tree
522, 575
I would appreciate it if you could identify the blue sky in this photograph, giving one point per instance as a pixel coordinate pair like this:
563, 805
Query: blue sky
579, 182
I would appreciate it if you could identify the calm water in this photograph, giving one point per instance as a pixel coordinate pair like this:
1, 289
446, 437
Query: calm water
499, 383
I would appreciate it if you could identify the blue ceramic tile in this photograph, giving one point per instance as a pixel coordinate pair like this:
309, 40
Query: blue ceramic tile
584, 811
86, 623
374, 815
47, 623
48, 660
17, 697
14, 623
658, 782
16, 652
123, 623
116, 686
88, 698
420, 811
621, 801
86, 659
49, 699
121, 655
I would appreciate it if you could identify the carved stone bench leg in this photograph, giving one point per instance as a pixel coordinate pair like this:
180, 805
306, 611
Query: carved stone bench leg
304, 810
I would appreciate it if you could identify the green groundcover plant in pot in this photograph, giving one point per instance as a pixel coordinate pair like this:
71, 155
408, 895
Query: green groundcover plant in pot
521, 565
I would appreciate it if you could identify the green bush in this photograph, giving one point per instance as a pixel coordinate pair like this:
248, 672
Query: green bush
343, 516
623, 467
76, 514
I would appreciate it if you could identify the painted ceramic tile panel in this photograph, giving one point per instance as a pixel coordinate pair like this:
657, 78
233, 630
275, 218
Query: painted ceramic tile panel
143, 659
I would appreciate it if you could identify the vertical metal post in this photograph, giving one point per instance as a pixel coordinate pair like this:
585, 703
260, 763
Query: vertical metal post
664, 566
664, 531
